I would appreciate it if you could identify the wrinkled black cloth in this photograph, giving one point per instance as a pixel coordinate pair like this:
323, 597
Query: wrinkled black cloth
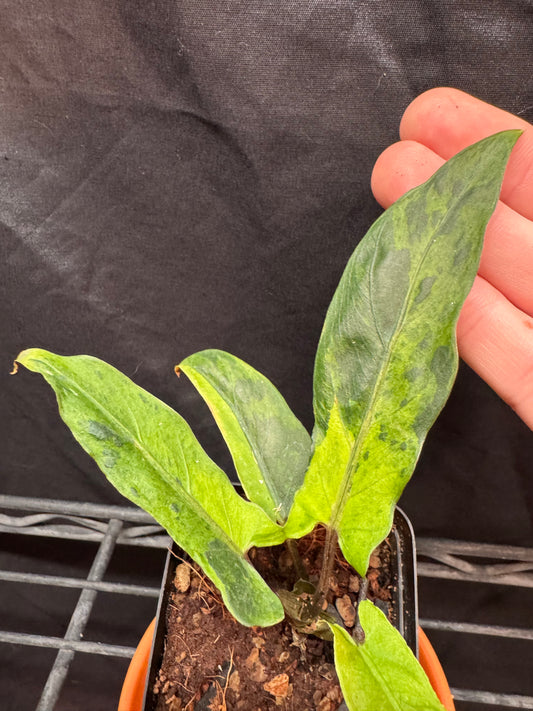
184, 175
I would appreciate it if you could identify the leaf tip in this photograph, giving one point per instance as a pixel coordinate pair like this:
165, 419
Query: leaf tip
21, 359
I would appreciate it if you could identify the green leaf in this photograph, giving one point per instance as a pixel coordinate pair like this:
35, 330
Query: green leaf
269, 446
315, 501
387, 356
382, 673
148, 452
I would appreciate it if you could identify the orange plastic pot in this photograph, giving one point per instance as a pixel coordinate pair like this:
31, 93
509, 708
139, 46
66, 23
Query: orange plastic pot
131, 698
431, 665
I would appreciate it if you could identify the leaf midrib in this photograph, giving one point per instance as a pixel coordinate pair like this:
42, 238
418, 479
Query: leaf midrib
382, 681
256, 454
151, 458
345, 486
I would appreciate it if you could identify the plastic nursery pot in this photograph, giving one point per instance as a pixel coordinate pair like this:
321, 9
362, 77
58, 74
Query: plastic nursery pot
137, 694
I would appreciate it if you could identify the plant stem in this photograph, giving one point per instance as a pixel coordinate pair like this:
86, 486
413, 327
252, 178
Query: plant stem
328, 561
358, 633
301, 570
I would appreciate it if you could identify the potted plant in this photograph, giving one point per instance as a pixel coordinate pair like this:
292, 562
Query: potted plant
384, 367
155, 658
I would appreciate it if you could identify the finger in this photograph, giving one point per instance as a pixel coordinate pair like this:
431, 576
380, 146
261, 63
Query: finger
400, 167
496, 340
507, 259
447, 120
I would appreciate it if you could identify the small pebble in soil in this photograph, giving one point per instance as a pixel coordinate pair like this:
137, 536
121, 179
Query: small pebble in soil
278, 686
182, 580
346, 610
354, 584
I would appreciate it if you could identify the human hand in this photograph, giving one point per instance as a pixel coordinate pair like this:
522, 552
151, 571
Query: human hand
495, 328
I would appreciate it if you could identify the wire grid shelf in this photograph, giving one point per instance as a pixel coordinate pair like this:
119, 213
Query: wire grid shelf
110, 526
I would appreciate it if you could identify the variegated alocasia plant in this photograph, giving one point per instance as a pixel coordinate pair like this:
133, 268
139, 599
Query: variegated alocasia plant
385, 365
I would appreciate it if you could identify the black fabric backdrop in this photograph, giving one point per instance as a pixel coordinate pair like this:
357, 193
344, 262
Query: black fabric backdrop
183, 175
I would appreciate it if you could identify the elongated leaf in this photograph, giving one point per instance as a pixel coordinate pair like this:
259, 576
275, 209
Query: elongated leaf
382, 673
387, 356
148, 452
269, 446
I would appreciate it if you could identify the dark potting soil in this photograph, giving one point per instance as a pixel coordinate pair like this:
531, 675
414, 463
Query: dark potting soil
212, 663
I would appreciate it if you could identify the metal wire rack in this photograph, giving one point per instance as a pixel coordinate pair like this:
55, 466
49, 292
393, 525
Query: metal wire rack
110, 526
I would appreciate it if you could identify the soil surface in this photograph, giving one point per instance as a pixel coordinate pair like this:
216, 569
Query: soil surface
212, 663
